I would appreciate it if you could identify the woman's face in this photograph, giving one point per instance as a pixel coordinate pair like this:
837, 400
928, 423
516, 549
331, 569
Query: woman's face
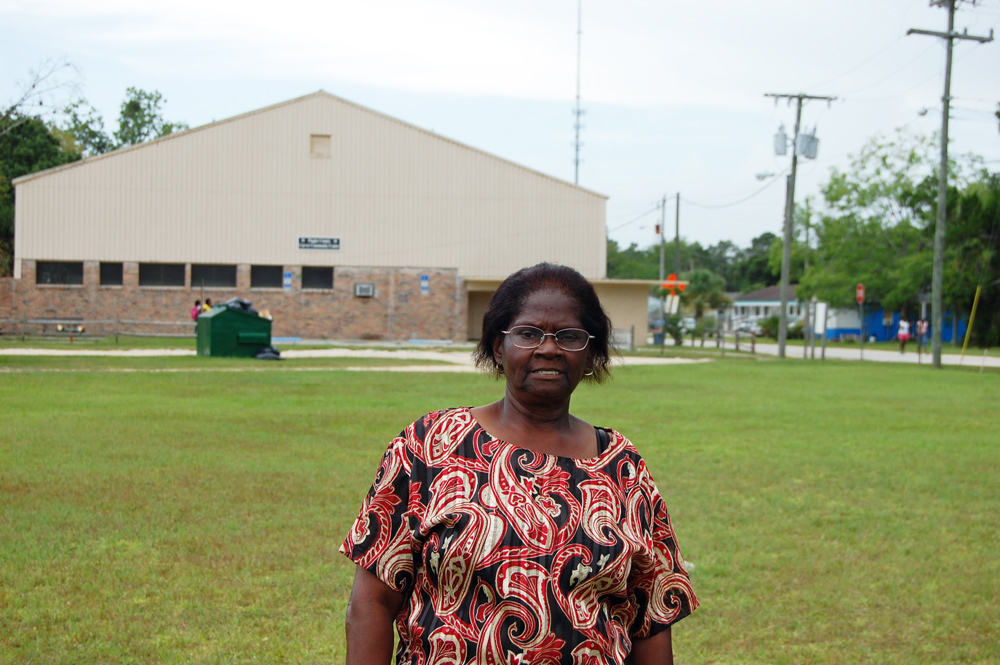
546, 375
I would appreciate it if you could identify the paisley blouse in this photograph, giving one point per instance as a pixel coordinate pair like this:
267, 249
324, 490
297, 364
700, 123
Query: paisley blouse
511, 556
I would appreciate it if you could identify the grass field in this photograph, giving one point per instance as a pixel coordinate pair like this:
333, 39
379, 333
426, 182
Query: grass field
835, 512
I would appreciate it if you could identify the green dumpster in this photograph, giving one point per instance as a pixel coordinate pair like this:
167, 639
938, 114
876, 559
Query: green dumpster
233, 332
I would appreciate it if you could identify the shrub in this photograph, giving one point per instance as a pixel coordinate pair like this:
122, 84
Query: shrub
769, 326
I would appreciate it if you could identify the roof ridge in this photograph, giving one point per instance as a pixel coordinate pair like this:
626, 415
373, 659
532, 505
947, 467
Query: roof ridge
272, 107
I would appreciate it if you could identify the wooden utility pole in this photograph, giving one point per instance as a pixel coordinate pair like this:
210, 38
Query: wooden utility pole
786, 253
677, 234
937, 275
663, 245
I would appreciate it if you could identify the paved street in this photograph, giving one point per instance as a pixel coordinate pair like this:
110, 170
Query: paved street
973, 358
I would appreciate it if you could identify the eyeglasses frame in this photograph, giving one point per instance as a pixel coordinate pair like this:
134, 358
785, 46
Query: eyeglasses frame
553, 336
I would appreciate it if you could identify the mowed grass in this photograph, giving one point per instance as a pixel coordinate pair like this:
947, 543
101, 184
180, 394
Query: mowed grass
834, 512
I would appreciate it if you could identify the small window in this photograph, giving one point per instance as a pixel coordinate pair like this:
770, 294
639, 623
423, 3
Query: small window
367, 290
111, 274
317, 278
207, 274
59, 272
161, 274
266, 277
319, 145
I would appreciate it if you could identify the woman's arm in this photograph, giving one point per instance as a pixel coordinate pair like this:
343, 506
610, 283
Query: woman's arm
655, 650
370, 612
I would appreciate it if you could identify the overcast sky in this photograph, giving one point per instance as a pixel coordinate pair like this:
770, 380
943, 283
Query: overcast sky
673, 92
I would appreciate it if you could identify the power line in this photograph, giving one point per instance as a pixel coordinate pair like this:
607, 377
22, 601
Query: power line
633, 221
741, 201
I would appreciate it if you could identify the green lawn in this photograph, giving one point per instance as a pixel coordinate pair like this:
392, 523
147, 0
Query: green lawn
835, 512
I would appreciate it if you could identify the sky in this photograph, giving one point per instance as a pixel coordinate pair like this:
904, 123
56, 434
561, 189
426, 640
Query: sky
673, 93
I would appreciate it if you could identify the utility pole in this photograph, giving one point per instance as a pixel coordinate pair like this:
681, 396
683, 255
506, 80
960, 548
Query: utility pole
677, 234
807, 331
786, 254
577, 112
663, 320
937, 275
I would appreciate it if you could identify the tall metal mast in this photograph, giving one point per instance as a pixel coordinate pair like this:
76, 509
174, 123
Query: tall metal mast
577, 112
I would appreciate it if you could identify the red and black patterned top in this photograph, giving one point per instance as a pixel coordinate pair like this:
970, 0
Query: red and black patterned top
512, 556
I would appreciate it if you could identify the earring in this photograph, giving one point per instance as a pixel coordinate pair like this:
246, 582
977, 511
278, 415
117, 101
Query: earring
500, 369
590, 373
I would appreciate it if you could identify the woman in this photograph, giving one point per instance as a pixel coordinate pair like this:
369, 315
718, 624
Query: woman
516, 532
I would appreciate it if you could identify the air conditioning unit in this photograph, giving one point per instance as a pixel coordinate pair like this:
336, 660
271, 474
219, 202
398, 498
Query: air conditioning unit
364, 290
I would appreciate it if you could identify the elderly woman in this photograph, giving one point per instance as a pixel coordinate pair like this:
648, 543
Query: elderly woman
515, 532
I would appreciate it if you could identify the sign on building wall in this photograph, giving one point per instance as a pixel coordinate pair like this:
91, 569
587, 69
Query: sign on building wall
313, 242
286, 282
425, 285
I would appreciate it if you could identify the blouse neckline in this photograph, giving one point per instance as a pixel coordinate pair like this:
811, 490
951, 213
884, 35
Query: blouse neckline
600, 454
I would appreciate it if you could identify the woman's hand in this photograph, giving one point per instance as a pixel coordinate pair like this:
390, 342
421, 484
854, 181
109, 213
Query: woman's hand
370, 613
655, 650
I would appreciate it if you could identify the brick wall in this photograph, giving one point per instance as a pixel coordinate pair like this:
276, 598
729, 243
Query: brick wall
399, 310
6, 300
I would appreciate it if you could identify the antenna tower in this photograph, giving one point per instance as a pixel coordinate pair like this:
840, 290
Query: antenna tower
577, 112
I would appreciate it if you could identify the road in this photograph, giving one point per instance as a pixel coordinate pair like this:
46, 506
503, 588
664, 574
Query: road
972, 358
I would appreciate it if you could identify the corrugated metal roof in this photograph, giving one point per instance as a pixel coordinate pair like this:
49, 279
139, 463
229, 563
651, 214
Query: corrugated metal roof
267, 109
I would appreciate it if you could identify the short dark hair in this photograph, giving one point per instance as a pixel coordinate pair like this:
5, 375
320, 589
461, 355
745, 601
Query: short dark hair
513, 292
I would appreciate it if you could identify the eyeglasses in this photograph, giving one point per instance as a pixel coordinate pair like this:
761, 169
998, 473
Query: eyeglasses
530, 337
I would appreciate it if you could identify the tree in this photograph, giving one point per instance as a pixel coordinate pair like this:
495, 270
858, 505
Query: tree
632, 263
880, 228
705, 291
26, 145
140, 119
41, 95
972, 259
86, 127
751, 270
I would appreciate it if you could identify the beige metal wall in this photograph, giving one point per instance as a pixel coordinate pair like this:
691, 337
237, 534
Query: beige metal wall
243, 190
625, 301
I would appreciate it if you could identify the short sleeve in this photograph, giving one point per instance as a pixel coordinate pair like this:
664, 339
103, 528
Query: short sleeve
659, 583
381, 539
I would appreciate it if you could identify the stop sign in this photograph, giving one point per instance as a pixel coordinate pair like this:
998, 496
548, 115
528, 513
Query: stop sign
859, 293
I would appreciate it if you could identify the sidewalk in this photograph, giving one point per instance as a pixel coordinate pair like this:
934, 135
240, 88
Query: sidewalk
972, 358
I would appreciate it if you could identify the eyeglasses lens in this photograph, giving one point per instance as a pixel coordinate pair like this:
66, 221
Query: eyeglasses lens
568, 339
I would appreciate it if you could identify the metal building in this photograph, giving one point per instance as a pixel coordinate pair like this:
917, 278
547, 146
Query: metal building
343, 222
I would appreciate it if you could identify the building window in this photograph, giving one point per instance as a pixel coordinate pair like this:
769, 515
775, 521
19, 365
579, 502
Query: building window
265, 277
317, 278
319, 145
59, 272
208, 274
161, 274
111, 274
